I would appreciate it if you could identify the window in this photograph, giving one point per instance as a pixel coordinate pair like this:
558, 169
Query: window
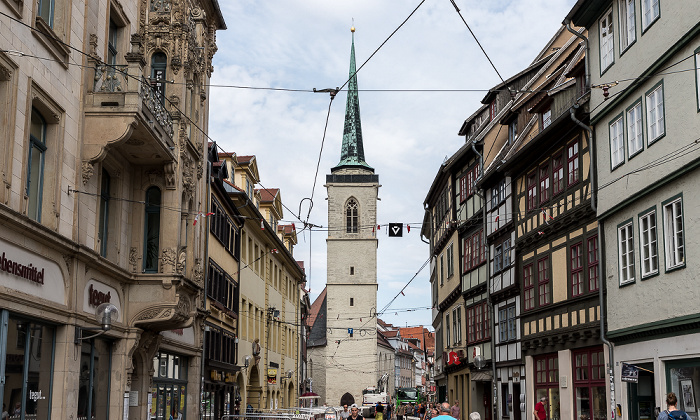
673, 234
593, 270
35, 166
220, 345
656, 127
544, 183
478, 323
627, 24
529, 286
112, 41
589, 382
576, 259
447, 330
512, 131
223, 229
501, 259
531, 190
151, 231
450, 261
546, 118
442, 269
649, 248
572, 154
507, 326
46, 11
159, 64
352, 301
635, 135
351, 215
457, 324
352, 271
467, 182
473, 251
607, 48
650, 12
222, 289
617, 146
625, 244
697, 77
102, 234
547, 383
498, 193
543, 281
492, 110
557, 174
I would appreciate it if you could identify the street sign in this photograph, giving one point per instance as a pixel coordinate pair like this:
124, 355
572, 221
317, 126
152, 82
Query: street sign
395, 229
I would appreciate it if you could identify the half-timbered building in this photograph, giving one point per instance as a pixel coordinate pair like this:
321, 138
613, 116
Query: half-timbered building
557, 240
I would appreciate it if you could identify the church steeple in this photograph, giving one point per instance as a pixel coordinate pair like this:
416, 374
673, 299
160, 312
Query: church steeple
352, 153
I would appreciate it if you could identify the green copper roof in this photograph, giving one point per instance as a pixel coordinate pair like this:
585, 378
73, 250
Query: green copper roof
352, 153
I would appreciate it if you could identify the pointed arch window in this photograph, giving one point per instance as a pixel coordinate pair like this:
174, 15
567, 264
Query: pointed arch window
352, 216
102, 234
151, 231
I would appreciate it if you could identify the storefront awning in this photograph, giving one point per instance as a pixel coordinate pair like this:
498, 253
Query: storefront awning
483, 376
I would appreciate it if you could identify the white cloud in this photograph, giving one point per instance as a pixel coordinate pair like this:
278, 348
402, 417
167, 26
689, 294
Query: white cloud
306, 44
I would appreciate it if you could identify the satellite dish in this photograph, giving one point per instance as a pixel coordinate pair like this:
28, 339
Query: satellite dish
479, 362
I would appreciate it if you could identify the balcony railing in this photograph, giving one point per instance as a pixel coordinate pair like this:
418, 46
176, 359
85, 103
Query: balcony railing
154, 102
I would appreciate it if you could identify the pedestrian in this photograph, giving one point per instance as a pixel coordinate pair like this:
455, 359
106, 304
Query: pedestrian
672, 412
475, 416
345, 413
400, 411
388, 410
355, 413
540, 410
455, 412
5, 414
379, 412
421, 410
444, 412
433, 412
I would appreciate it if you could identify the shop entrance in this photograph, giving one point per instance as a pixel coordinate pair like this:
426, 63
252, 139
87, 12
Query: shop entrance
641, 395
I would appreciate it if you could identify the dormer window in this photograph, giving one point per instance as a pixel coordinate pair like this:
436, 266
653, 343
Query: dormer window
546, 118
512, 131
492, 110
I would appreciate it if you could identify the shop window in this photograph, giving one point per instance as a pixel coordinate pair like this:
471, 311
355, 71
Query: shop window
151, 230
589, 383
28, 354
682, 378
169, 386
547, 383
94, 382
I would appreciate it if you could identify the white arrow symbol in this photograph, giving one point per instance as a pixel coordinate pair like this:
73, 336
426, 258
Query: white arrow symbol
396, 229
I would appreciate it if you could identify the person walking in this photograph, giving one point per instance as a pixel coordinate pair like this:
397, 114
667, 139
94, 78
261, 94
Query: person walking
345, 413
355, 413
672, 412
455, 411
400, 411
444, 412
379, 412
540, 410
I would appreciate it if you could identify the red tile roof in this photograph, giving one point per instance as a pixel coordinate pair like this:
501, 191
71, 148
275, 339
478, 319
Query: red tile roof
267, 195
286, 229
315, 308
244, 159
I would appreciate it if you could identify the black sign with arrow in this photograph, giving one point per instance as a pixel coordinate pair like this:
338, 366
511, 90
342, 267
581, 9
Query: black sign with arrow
395, 229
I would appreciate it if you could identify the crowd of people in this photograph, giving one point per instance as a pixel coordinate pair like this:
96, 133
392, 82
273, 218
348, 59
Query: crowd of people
423, 411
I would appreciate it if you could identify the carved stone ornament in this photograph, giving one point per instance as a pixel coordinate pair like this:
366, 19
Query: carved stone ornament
88, 171
198, 276
69, 261
162, 6
93, 46
183, 306
182, 261
133, 258
169, 170
167, 261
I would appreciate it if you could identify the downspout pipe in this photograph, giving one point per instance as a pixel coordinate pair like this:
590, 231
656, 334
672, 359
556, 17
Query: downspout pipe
586, 59
489, 302
601, 299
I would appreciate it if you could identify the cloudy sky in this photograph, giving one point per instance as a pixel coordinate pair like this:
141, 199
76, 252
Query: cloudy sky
408, 133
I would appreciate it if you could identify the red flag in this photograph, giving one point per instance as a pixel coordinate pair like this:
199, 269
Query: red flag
402, 294
379, 227
408, 228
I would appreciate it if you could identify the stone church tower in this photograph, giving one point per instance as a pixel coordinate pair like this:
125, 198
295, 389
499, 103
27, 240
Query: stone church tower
343, 341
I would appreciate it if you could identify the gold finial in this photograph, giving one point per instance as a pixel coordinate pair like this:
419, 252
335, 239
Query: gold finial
352, 28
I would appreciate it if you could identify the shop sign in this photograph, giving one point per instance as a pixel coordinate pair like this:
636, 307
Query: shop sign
630, 373
453, 358
97, 293
272, 376
30, 273
36, 396
229, 378
216, 375
97, 297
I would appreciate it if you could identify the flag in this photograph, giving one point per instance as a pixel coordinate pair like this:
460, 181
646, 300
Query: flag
200, 214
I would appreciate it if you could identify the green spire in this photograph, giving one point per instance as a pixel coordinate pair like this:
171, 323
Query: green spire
352, 153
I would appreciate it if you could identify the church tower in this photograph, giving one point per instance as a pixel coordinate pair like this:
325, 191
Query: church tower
351, 291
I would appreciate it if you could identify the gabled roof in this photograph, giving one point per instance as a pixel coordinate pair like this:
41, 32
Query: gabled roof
317, 321
268, 195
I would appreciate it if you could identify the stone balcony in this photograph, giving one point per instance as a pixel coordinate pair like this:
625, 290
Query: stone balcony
124, 112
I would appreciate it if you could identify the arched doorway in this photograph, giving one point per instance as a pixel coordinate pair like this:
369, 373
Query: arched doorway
241, 398
291, 401
254, 390
348, 399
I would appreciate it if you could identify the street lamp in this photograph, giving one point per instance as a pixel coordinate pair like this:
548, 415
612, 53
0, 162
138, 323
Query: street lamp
104, 314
